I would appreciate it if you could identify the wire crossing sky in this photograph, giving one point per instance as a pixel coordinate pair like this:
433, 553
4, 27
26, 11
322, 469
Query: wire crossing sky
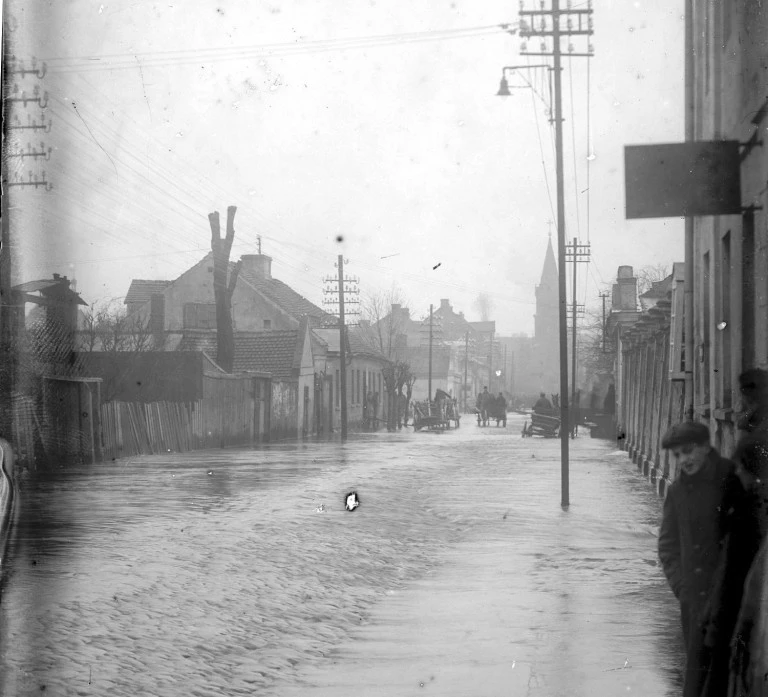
377, 123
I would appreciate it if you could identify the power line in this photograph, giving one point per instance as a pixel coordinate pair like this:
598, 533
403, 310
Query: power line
541, 149
195, 56
573, 148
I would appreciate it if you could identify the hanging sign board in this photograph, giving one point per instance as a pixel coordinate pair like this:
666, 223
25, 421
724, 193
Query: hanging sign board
683, 179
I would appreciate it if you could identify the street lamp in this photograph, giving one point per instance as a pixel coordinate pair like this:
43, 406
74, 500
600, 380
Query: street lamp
505, 87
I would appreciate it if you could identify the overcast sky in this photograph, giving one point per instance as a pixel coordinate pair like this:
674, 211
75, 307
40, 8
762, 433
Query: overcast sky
164, 112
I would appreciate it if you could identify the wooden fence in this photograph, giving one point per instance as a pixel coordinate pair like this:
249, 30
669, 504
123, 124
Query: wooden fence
133, 428
233, 411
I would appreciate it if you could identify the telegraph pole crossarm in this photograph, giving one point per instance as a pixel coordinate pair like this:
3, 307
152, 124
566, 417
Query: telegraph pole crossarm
344, 292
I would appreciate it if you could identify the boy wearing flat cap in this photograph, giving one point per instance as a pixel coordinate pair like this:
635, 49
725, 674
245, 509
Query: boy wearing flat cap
694, 525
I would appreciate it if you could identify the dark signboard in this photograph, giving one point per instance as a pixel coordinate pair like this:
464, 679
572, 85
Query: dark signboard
683, 179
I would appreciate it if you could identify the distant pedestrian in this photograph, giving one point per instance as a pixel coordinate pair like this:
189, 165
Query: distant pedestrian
543, 405
402, 414
692, 531
753, 385
500, 410
746, 523
376, 409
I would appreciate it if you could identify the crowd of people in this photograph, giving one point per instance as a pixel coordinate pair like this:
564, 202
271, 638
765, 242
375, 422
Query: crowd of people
713, 549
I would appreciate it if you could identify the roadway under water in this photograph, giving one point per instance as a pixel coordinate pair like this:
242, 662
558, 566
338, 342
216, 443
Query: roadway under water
240, 572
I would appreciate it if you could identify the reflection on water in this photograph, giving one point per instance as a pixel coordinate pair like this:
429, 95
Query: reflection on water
214, 570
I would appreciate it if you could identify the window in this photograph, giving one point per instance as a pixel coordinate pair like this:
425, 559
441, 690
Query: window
358, 387
267, 324
199, 316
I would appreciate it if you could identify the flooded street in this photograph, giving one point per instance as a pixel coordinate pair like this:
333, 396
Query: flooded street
240, 572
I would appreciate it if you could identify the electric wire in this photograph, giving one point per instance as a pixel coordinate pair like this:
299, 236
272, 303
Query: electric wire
573, 148
196, 56
312, 249
543, 163
378, 270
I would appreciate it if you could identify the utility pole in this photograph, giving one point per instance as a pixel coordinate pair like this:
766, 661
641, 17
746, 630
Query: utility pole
342, 351
604, 296
15, 128
466, 364
576, 253
545, 23
344, 286
429, 379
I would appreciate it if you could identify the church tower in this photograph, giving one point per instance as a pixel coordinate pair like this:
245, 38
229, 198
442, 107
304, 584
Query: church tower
547, 326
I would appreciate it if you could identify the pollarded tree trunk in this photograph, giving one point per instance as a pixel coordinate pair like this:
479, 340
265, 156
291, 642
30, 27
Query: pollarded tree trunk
225, 340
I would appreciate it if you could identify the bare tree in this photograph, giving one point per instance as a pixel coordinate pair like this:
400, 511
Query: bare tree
647, 275
107, 326
381, 327
484, 306
225, 339
380, 332
125, 338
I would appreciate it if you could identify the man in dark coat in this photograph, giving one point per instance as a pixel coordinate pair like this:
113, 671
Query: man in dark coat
692, 531
747, 523
753, 385
542, 404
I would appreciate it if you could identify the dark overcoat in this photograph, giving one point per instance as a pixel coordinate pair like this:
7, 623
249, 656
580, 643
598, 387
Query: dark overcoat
692, 532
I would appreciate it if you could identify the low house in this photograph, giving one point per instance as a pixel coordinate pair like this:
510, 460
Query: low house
366, 392
285, 355
271, 324
259, 301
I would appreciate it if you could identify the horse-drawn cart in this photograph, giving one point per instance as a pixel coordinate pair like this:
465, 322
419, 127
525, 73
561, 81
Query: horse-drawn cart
541, 424
437, 415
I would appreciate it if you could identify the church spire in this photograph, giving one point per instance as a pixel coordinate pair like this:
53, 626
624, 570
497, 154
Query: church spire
549, 271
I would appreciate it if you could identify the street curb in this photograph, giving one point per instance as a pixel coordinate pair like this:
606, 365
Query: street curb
7, 497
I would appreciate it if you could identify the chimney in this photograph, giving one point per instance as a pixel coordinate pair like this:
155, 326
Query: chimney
259, 265
445, 305
626, 285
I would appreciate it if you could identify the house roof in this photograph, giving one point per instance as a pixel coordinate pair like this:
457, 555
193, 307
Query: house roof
283, 295
268, 351
659, 289
356, 342
49, 287
142, 290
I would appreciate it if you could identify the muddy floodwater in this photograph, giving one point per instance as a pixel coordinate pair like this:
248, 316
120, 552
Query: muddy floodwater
241, 572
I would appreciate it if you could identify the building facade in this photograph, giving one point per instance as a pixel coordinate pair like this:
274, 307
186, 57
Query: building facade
730, 255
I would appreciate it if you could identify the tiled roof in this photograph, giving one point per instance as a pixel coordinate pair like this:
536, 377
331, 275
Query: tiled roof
141, 291
268, 351
283, 295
